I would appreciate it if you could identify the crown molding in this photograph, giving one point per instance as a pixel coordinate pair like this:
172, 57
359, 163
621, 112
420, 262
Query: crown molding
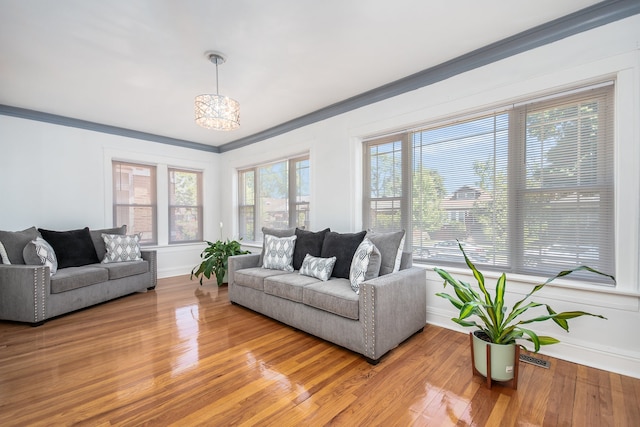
583, 20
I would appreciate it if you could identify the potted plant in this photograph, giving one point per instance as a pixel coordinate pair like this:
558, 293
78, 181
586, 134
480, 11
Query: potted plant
500, 329
215, 259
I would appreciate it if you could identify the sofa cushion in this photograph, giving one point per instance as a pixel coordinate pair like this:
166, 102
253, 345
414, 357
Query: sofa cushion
308, 242
77, 277
118, 270
121, 248
334, 296
254, 277
342, 246
39, 252
73, 248
98, 243
390, 246
277, 232
14, 243
365, 264
320, 268
278, 252
288, 286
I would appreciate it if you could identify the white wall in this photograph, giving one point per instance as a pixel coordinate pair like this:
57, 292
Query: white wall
336, 174
59, 178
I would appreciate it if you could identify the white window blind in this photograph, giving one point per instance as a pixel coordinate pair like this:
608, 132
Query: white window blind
185, 206
528, 189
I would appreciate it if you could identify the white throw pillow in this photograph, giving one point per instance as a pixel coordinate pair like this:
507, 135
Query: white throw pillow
278, 252
320, 268
121, 248
3, 255
364, 265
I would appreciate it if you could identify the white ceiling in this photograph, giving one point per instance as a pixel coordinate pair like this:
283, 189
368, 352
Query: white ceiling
138, 64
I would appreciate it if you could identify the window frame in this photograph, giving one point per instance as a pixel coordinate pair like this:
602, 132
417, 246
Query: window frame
198, 207
153, 190
293, 198
516, 130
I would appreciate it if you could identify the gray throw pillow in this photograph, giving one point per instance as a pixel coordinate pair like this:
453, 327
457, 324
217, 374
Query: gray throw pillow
278, 252
277, 232
390, 246
96, 237
320, 268
365, 264
15, 241
121, 248
40, 252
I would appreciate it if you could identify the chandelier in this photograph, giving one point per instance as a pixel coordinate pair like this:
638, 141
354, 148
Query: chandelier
216, 111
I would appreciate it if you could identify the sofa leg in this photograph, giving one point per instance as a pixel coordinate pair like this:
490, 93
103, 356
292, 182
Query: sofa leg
40, 323
371, 361
151, 288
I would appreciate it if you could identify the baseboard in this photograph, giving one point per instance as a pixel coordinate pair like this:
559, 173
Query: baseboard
588, 355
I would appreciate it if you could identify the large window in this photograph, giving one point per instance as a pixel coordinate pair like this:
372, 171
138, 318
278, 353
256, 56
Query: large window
185, 206
527, 189
273, 195
134, 199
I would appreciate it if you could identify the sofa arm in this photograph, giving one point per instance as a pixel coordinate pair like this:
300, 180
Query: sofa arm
393, 308
238, 262
23, 293
152, 258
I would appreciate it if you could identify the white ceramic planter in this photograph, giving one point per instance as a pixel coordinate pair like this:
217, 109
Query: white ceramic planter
503, 359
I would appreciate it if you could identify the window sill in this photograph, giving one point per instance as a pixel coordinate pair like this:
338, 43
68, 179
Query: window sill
559, 289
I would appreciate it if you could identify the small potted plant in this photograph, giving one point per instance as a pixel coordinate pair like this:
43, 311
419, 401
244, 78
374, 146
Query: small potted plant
215, 260
500, 329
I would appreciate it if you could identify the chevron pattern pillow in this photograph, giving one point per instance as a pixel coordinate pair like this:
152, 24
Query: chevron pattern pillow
121, 248
365, 264
320, 268
278, 252
39, 251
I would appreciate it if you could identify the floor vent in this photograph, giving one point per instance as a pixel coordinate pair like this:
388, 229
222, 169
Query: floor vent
534, 361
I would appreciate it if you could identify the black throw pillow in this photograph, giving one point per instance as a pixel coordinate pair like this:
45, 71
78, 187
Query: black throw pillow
343, 247
308, 242
73, 248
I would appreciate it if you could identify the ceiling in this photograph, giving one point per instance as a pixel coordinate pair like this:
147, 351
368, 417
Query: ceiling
139, 64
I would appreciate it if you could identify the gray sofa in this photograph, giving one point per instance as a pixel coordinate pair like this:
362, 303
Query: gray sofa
388, 310
28, 293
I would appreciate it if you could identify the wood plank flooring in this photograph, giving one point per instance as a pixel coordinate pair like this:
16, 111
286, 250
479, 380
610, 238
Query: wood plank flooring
182, 355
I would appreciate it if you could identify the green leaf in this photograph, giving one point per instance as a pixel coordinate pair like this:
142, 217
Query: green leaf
533, 337
456, 303
499, 301
465, 323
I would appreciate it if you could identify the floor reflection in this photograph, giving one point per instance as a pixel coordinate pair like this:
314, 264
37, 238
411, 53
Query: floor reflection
188, 328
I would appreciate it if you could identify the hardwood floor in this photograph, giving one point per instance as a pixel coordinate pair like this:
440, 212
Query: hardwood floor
183, 355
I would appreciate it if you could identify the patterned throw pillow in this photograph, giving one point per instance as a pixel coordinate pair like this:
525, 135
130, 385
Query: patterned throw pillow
39, 251
121, 248
320, 268
3, 255
278, 252
365, 264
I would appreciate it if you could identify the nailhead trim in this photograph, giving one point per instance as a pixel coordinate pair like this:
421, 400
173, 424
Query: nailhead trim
38, 278
369, 329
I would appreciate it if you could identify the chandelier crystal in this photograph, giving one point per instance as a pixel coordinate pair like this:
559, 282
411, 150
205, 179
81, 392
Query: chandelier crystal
217, 112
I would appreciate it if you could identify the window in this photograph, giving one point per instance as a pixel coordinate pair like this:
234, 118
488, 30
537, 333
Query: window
185, 206
134, 199
273, 195
528, 189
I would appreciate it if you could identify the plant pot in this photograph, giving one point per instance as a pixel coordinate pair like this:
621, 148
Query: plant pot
503, 358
